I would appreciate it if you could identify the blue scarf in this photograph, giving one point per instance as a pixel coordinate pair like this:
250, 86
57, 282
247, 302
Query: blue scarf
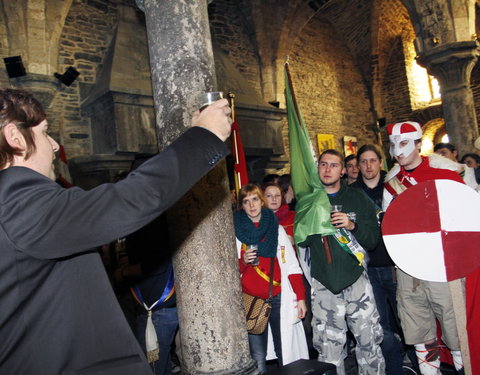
266, 235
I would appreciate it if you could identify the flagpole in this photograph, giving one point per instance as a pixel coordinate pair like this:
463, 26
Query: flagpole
231, 97
292, 91
237, 176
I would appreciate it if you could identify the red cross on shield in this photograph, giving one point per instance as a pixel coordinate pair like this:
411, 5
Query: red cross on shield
432, 230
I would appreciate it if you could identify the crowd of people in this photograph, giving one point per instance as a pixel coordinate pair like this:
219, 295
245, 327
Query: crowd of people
357, 292
325, 291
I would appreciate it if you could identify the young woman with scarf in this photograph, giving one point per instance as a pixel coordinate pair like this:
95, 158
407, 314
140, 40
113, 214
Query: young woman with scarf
256, 224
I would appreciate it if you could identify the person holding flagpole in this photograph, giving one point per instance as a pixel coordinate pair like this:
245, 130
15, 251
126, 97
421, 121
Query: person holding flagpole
332, 248
342, 296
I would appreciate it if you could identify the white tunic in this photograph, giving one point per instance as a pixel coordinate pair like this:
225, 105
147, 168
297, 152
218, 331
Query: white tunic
294, 343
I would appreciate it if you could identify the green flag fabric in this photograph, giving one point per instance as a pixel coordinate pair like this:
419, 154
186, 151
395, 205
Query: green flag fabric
312, 212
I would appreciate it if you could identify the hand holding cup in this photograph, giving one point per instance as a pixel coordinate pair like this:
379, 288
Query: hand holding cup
206, 98
336, 214
251, 256
215, 117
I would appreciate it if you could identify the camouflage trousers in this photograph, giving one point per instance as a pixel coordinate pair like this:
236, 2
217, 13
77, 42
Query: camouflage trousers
353, 308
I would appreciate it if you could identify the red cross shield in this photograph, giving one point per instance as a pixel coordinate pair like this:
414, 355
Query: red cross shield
432, 230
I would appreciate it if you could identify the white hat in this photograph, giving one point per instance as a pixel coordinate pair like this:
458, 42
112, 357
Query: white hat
407, 129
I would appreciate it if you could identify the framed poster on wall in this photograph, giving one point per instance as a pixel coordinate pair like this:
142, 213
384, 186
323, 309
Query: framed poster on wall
350, 145
325, 141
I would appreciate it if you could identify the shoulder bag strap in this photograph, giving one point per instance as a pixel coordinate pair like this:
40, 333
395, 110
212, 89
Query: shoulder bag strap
270, 284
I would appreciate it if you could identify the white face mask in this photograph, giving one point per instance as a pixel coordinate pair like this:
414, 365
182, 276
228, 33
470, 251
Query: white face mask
397, 149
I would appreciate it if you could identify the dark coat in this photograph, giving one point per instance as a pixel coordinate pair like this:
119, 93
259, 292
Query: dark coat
379, 256
58, 313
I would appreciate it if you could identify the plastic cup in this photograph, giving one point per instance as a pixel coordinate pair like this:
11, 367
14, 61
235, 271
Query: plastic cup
256, 261
335, 208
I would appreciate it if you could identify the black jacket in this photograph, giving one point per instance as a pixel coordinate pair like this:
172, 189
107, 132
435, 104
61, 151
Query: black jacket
379, 256
58, 313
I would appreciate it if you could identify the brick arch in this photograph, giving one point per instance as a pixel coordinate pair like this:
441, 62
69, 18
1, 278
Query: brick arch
274, 41
433, 131
425, 115
433, 126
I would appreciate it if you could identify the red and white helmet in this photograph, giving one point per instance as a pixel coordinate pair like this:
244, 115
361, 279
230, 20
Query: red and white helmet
400, 132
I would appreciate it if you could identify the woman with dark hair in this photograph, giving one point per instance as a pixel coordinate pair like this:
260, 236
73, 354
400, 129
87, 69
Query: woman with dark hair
285, 183
473, 161
257, 225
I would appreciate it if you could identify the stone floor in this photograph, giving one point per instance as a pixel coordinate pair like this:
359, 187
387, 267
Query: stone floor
351, 367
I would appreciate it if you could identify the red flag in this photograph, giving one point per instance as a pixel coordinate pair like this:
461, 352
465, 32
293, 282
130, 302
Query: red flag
239, 165
64, 177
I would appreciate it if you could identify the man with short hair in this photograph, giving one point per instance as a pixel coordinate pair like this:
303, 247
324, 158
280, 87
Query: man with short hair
351, 168
59, 312
380, 266
342, 297
420, 302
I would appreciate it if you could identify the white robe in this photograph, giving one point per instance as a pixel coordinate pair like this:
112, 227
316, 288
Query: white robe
294, 343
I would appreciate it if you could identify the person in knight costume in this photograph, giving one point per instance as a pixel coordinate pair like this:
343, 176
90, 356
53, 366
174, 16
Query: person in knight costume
420, 302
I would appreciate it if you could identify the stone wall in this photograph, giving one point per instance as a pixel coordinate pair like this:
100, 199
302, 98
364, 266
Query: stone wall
331, 64
87, 31
352, 22
395, 89
329, 87
476, 90
229, 26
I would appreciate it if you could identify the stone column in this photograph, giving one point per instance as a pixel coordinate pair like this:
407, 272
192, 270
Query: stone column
212, 322
452, 65
446, 46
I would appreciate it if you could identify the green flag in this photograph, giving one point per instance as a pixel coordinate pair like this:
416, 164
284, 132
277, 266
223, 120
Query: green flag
313, 207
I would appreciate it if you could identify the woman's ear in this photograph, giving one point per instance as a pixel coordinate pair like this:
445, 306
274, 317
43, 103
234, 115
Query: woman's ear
14, 137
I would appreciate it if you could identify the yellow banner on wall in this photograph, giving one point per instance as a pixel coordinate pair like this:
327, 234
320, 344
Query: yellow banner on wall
325, 142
